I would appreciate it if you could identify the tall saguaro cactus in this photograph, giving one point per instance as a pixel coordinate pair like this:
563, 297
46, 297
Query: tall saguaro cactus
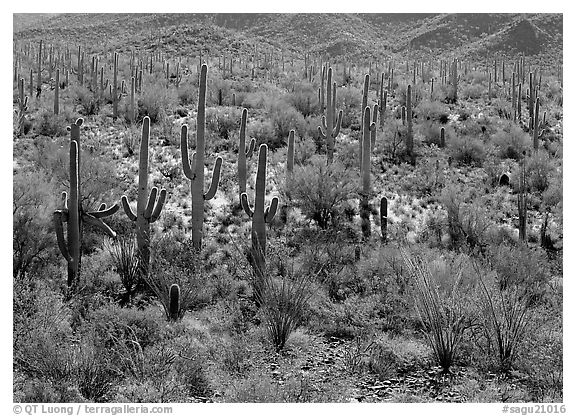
243, 153
409, 135
74, 215
57, 93
330, 128
193, 168
148, 209
22, 107
260, 216
368, 127
384, 218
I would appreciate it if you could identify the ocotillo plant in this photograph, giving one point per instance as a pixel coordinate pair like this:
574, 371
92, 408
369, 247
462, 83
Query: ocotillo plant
260, 216
409, 136
330, 131
384, 218
194, 170
22, 107
243, 153
174, 303
147, 209
367, 129
73, 214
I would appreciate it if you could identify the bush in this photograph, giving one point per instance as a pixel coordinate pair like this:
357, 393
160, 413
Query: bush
88, 101
223, 120
32, 207
441, 306
467, 223
467, 150
284, 118
284, 302
349, 100
170, 264
539, 170
304, 99
511, 141
51, 125
321, 191
263, 132
432, 110
155, 102
471, 92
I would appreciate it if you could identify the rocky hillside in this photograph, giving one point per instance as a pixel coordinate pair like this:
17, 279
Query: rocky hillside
357, 36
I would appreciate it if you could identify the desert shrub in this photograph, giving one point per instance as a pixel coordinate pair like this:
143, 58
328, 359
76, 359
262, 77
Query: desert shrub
321, 190
507, 315
539, 170
432, 110
170, 264
284, 118
284, 298
51, 125
467, 150
32, 206
88, 101
511, 141
263, 132
223, 120
518, 265
187, 94
304, 99
466, 223
442, 302
349, 100
471, 92
304, 149
431, 133
155, 101
123, 252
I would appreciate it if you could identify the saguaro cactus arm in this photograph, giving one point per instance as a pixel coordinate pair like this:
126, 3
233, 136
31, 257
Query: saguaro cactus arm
215, 180
128, 209
187, 167
158, 207
104, 212
98, 223
58, 220
270, 211
246, 205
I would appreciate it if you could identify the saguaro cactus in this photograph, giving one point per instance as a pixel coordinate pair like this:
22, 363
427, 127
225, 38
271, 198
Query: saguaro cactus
194, 170
384, 218
57, 93
115, 93
73, 214
22, 107
330, 128
148, 209
174, 303
409, 135
243, 153
260, 216
368, 127
522, 202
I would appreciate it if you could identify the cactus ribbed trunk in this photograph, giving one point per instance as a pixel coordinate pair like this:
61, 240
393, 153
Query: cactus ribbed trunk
260, 216
115, 88
409, 135
366, 186
330, 123
142, 223
73, 229
57, 93
174, 303
384, 219
195, 170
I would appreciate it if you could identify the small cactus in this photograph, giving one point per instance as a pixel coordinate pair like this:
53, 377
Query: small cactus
174, 303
